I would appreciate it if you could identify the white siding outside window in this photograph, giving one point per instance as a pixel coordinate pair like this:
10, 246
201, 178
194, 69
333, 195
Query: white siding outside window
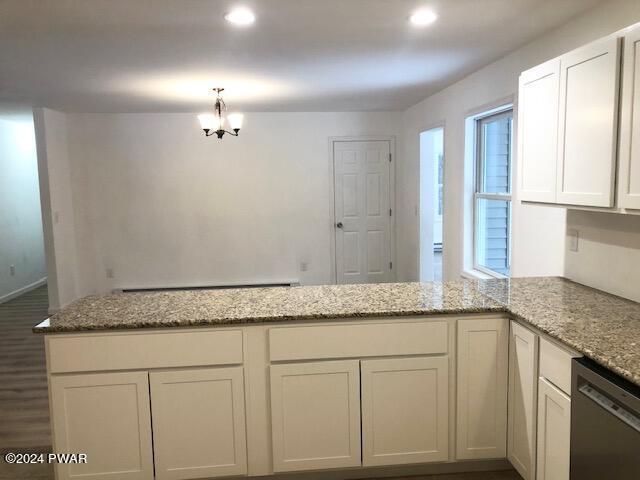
492, 197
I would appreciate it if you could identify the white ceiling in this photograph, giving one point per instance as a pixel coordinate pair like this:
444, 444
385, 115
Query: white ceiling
300, 55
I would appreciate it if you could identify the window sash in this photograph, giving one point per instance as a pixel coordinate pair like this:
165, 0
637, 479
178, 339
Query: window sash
479, 192
480, 145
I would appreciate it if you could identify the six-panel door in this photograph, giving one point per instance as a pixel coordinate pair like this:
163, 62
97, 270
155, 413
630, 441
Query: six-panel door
629, 182
482, 388
554, 432
315, 415
588, 125
523, 391
405, 410
106, 416
538, 132
198, 423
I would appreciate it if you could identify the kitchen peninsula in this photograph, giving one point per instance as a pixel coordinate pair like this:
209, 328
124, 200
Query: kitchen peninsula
274, 380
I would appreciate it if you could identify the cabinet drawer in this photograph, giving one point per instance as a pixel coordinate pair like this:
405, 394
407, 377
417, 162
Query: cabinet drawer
126, 350
368, 340
555, 365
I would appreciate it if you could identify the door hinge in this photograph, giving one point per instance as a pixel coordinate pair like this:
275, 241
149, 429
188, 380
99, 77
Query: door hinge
390, 265
390, 212
389, 157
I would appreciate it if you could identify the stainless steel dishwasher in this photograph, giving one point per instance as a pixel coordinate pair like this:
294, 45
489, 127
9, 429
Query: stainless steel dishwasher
605, 424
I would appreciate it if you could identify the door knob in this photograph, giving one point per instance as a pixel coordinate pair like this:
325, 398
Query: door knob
339, 224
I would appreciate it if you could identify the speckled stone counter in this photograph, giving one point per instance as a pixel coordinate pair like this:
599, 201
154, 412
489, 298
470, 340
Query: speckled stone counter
234, 306
603, 327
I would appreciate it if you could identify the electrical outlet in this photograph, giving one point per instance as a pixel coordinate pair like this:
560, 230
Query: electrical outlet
304, 266
109, 272
12, 270
572, 239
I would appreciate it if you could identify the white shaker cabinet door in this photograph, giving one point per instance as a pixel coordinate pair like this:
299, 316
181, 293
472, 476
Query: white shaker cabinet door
482, 388
629, 176
198, 423
523, 400
539, 92
315, 415
587, 135
405, 414
554, 432
483, 346
106, 416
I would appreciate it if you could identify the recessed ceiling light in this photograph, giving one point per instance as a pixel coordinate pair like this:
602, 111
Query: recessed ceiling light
423, 17
240, 16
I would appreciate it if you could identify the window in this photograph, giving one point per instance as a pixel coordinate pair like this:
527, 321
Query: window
492, 196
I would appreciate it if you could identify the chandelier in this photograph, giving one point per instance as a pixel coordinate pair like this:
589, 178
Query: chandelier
213, 123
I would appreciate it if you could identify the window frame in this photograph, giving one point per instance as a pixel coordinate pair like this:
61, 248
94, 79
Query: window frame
479, 165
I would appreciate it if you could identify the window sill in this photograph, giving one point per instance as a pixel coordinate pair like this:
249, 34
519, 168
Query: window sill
478, 275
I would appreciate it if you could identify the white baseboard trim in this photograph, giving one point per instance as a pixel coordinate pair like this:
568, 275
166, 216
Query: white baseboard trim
25, 289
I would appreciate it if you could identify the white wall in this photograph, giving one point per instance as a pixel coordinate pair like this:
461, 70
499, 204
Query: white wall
21, 243
608, 256
161, 205
57, 206
538, 232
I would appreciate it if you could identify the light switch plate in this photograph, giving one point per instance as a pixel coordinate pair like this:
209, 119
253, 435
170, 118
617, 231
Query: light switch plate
572, 238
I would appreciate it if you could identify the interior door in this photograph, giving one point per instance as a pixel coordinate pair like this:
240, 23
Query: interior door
362, 211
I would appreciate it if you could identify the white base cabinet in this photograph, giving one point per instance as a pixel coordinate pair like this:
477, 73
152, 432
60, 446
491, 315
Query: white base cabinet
523, 397
405, 410
315, 415
483, 346
106, 416
198, 423
376, 396
554, 432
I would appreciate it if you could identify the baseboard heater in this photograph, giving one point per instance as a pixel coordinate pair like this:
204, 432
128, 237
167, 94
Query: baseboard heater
207, 287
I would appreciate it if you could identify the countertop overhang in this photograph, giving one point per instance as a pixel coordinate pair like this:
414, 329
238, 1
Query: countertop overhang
601, 326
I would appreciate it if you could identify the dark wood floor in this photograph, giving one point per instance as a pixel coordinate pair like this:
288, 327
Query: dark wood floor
24, 408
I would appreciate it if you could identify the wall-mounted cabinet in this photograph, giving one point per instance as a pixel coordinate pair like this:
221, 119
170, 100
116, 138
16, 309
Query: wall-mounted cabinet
587, 126
629, 181
538, 131
574, 142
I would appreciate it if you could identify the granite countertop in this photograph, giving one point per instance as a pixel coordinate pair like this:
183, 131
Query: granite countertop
603, 327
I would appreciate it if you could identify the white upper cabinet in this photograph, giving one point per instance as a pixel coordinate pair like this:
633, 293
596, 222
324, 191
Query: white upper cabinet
588, 124
538, 132
629, 181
